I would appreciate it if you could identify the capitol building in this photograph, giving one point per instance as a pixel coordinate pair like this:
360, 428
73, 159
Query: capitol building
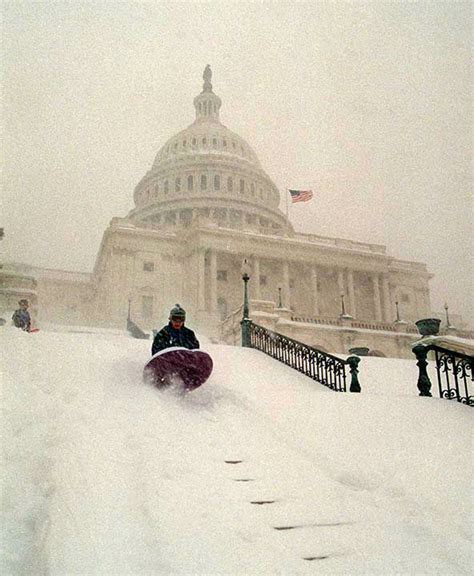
204, 206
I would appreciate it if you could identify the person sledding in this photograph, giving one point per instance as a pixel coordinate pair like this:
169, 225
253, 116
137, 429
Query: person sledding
21, 317
175, 333
177, 361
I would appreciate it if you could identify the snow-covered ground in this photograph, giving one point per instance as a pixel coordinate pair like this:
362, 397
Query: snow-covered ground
260, 471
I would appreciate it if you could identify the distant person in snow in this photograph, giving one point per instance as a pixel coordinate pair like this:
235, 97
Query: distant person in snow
21, 317
175, 333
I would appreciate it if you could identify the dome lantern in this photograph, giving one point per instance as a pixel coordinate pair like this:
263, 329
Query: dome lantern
207, 104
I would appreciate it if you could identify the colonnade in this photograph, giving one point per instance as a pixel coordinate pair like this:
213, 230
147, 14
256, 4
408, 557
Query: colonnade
382, 304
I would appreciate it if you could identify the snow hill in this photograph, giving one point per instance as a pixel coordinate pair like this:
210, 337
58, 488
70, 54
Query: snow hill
261, 471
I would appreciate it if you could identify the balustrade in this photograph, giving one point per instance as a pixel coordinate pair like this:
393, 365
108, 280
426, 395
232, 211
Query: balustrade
324, 368
454, 370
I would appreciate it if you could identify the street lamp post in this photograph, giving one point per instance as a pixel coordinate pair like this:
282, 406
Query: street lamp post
280, 305
245, 322
398, 312
343, 306
446, 307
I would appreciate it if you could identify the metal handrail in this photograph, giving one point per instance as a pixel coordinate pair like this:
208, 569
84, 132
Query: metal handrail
454, 371
322, 367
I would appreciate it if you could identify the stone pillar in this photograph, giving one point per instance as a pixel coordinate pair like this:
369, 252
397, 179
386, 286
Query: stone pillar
213, 280
377, 301
340, 281
314, 287
286, 284
386, 299
352, 302
256, 279
202, 279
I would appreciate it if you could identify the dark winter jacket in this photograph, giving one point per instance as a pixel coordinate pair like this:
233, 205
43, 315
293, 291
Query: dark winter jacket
22, 319
168, 337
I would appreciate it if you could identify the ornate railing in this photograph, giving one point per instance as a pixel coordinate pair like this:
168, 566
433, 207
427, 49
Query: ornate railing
383, 326
324, 368
454, 370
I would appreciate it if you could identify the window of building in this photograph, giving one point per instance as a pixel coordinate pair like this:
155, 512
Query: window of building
177, 184
166, 187
203, 182
230, 184
405, 298
217, 182
214, 142
204, 141
148, 266
263, 280
147, 306
184, 143
224, 143
242, 186
190, 183
252, 189
194, 141
222, 275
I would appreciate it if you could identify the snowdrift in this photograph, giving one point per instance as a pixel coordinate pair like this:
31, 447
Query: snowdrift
260, 471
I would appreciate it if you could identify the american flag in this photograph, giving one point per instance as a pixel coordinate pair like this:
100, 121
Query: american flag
301, 195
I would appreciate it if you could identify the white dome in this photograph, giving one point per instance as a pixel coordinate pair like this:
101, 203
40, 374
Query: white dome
211, 138
208, 172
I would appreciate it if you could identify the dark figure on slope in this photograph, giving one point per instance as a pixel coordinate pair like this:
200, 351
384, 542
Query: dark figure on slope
21, 317
175, 333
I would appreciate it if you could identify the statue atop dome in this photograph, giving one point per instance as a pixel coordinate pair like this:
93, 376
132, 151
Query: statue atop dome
207, 77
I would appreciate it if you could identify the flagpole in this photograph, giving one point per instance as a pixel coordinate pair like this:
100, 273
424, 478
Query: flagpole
287, 218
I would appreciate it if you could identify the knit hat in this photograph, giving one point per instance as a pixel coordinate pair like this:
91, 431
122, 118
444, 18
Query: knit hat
177, 312
23, 302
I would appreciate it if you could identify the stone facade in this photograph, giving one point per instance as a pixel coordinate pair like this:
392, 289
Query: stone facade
204, 206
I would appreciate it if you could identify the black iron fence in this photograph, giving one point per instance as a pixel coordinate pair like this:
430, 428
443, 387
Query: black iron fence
324, 368
454, 370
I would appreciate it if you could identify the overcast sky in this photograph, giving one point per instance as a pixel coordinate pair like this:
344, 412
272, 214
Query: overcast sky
367, 103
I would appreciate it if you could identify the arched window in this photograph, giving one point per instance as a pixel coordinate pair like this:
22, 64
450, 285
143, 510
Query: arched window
165, 187
190, 183
203, 182
217, 182
214, 142
177, 184
204, 141
230, 184
194, 141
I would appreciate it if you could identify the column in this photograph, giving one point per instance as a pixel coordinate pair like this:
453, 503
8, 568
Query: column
213, 287
314, 288
286, 284
386, 299
340, 282
377, 301
201, 279
256, 279
352, 302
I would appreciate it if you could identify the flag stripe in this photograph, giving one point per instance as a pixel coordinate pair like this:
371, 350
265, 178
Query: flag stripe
301, 195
